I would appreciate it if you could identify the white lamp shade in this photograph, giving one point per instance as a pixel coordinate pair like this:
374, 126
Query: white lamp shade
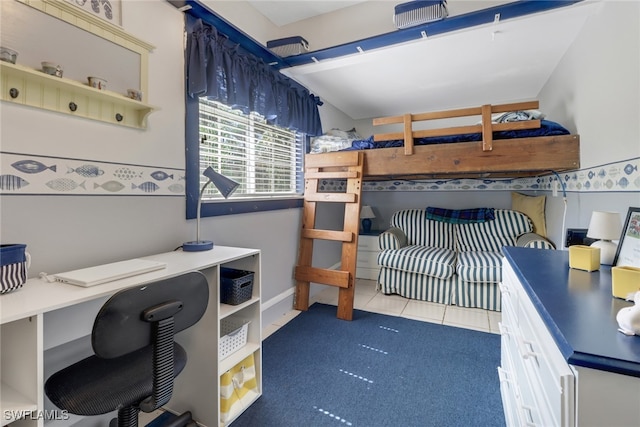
604, 226
366, 212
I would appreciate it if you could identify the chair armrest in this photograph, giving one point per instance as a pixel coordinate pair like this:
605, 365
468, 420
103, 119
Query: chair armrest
533, 240
393, 238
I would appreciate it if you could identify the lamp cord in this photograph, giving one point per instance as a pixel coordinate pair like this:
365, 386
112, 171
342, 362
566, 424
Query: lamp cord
564, 214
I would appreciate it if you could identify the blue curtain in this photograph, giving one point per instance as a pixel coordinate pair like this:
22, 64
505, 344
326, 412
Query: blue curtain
224, 72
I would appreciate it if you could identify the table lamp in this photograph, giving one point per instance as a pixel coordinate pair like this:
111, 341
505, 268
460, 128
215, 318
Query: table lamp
605, 226
226, 187
366, 213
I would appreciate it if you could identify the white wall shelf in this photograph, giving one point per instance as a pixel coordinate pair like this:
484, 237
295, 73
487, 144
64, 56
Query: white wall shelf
34, 88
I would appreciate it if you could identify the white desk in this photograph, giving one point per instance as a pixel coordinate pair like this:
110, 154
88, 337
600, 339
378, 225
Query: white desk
46, 326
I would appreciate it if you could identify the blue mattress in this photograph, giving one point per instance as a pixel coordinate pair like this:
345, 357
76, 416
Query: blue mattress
547, 128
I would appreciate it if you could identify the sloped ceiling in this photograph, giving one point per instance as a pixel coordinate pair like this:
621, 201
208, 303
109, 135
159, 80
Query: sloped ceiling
501, 62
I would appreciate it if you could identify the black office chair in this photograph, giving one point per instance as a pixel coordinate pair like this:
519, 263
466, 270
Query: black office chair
136, 358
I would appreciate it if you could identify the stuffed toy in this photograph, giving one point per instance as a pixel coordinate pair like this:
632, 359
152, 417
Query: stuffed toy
629, 317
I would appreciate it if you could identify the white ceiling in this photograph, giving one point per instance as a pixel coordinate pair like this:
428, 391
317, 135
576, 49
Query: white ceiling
503, 62
286, 12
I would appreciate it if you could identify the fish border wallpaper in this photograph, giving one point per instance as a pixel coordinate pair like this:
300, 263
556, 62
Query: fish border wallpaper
45, 175
620, 176
33, 174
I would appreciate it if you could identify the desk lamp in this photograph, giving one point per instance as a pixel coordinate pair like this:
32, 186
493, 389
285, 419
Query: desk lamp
605, 226
366, 213
226, 187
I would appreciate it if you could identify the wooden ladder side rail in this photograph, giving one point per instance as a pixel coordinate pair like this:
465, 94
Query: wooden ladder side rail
486, 128
341, 165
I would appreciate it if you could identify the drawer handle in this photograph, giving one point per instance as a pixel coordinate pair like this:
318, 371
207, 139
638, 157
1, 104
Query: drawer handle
504, 329
504, 377
524, 416
526, 354
504, 288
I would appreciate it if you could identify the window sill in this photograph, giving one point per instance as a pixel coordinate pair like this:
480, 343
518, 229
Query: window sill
233, 207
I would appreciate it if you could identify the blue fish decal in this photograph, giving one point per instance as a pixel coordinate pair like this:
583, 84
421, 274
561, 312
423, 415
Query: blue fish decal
32, 166
160, 175
88, 171
111, 186
623, 182
629, 168
64, 184
602, 173
147, 187
591, 174
12, 182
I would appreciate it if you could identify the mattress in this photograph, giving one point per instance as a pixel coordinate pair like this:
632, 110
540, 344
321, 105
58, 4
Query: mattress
547, 128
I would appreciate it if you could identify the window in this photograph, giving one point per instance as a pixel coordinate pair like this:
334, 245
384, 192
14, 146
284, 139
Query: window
266, 160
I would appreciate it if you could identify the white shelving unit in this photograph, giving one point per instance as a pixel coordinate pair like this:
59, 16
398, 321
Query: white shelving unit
34, 88
46, 326
22, 84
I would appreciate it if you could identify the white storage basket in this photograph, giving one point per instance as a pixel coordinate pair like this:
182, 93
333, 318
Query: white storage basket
419, 12
233, 337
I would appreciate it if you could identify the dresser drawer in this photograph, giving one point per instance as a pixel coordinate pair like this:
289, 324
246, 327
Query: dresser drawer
548, 369
368, 243
367, 273
367, 259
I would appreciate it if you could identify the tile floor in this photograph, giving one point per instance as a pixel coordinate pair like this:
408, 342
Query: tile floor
369, 299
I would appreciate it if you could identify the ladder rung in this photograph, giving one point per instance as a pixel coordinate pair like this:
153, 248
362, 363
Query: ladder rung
341, 236
335, 159
322, 275
331, 197
331, 175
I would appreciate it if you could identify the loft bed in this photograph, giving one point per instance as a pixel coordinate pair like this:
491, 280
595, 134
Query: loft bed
487, 149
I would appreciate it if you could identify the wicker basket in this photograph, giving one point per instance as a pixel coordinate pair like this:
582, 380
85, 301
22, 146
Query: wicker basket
236, 286
233, 333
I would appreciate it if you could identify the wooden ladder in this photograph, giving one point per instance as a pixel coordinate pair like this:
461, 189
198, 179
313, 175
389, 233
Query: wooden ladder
344, 165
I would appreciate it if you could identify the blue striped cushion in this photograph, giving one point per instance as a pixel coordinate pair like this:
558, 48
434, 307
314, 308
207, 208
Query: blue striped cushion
423, 231
416, 286
480, 267
434, 262
491, 236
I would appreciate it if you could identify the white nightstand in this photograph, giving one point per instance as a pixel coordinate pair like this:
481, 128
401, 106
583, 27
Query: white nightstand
368, 249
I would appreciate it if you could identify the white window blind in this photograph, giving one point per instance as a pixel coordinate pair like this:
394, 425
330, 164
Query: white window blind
266, 160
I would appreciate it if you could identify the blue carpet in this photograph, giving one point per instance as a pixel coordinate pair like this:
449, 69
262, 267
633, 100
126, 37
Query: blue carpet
376, 371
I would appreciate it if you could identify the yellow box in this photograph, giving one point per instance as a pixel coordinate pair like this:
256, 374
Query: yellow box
584, 258
624, 281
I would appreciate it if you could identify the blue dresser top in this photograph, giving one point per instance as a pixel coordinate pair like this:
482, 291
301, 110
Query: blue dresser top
578, 309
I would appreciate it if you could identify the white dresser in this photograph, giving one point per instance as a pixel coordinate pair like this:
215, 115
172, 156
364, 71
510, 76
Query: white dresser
367, 262
563, 363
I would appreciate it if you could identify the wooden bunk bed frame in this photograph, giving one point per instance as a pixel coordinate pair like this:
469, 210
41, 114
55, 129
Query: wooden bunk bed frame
520, 157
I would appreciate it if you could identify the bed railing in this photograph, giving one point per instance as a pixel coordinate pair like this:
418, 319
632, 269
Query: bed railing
486, 127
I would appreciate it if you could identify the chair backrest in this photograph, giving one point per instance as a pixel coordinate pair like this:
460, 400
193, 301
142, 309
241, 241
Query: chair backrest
492, 236
119, 327
422, 231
